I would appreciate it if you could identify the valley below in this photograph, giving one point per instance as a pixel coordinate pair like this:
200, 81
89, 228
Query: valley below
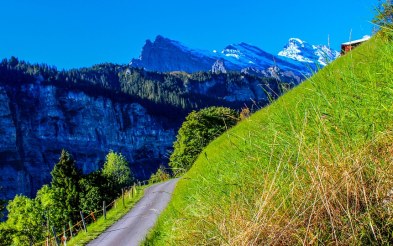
133, 109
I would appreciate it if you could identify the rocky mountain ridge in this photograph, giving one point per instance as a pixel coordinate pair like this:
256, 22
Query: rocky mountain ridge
297, 60
301, 51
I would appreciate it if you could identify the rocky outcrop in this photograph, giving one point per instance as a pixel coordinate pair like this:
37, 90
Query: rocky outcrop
37, 121
276, 73
219, 67
240, 89
165, 55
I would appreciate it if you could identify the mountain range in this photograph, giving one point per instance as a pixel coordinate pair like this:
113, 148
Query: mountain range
89, 111
297, 60
135, 109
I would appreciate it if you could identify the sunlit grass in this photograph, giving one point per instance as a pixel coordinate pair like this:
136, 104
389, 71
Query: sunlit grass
315, 167
100, 225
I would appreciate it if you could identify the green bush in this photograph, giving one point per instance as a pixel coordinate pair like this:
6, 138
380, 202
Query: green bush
196, 132
160, 176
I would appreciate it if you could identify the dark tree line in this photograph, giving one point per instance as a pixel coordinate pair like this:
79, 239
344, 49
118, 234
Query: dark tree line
161, 93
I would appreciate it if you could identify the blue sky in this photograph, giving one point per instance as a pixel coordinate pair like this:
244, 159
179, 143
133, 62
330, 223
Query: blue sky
79, 33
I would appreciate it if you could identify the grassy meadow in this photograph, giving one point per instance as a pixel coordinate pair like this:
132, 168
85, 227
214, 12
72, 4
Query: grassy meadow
314, 167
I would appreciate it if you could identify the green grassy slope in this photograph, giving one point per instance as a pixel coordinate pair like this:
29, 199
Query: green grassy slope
313, 167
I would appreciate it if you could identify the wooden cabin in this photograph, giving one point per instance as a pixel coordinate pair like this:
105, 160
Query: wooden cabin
348, 46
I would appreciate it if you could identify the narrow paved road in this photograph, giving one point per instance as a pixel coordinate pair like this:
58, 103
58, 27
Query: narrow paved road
134, 226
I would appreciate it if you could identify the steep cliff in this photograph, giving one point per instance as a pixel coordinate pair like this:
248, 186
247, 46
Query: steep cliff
90, 111
37, 121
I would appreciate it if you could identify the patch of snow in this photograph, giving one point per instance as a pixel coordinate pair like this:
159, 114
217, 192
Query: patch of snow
296, 40
233, 55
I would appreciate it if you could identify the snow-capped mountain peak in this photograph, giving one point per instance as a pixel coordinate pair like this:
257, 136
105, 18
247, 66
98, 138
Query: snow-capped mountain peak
297, 41
301, 51
296, 61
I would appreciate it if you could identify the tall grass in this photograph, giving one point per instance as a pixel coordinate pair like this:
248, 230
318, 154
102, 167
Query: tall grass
96, 228
315, 167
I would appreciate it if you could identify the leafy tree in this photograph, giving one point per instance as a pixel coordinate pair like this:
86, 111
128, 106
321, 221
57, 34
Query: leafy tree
116, 169
384, 17
65, 180
91, 198
25, 218
95, 188
52, 207
196, 132
7, 233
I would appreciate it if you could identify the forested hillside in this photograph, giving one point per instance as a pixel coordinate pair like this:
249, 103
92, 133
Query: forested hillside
90, 111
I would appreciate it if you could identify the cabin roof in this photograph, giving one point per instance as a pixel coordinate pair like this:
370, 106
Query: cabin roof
365, 38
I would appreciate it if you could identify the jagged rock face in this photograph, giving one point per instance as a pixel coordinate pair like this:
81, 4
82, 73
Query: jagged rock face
276, 73
241, 91
219, 67
297, 61
301, 51
165, 55
38, 121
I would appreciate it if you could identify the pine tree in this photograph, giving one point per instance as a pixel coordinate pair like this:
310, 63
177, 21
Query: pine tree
65, 180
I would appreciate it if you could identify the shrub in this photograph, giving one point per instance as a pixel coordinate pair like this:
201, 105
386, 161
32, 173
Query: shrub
160, 176
196, 132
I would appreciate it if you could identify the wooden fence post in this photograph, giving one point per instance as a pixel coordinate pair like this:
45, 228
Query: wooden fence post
104, 209
93, 216
70, 226
83, 221
64, 238
122, 194
48, 229
54, 234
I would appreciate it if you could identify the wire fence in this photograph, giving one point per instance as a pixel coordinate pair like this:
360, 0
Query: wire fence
53, 238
